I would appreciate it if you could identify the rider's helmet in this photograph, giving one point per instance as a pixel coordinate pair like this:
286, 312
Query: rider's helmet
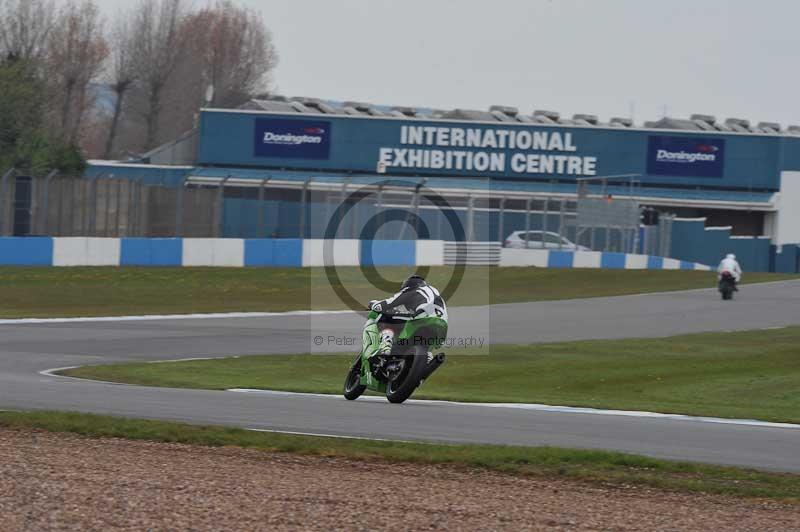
731, 256
415, 281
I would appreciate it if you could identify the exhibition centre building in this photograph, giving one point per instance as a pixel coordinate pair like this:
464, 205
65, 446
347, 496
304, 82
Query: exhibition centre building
281, 168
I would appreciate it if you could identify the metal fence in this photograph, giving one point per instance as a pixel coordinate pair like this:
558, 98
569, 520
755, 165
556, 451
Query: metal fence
103, 207
247, 208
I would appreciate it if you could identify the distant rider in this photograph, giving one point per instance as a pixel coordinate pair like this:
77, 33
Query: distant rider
729, 264
415, 299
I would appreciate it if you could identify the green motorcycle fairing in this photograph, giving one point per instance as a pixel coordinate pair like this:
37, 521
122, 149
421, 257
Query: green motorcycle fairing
430, 331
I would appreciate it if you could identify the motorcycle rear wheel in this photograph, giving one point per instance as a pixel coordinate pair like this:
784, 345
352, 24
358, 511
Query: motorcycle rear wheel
401, 388
352, 384
727, 293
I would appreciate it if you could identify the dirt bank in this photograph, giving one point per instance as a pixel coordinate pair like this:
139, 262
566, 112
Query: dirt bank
64, 482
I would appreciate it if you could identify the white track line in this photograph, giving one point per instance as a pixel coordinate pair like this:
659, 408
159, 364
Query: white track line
52, 371
549, 408
320, 435
160, 317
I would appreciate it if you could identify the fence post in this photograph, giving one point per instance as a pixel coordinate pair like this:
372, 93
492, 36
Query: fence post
414, 205
342, 199
544, 220
303, 205
133, 209
500, 236
561, 224
354, 216
527, 221
179, 208
92, 206
45, 209
261, 230
380, 209
418, 198
60, 210
221, 207
119, 208
470, 218
4, 199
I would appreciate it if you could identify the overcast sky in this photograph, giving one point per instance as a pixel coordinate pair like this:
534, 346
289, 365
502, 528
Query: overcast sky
606, 57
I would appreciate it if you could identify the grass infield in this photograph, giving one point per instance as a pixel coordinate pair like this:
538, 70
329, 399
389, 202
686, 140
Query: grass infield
751, 374
607, 468
67, 292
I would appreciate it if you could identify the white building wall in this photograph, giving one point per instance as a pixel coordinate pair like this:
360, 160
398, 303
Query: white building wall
787, 219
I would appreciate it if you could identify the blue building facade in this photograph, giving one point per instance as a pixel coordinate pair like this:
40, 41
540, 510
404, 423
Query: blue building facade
731, 191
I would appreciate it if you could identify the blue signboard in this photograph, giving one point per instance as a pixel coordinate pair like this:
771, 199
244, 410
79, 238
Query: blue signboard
298, 139
507, 151
685, 156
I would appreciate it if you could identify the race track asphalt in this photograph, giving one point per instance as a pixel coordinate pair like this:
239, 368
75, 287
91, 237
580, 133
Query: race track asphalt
29, 348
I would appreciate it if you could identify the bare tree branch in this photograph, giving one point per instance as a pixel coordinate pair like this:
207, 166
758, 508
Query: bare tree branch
25, 27
237, 52
157, 48
122, 73
76, 51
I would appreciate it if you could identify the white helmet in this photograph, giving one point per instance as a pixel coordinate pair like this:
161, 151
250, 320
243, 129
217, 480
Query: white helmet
731, 256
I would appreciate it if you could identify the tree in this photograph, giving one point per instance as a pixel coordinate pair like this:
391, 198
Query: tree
157, 49
25, 142
226, 47
75, 53
21, 104
25, 27
234, 50
122, 74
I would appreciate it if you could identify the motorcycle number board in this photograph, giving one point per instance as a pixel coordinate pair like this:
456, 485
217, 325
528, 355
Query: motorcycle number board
298, 139
685, 156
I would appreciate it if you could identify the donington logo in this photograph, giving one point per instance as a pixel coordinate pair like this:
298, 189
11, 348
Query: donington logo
685, 156
704, 153
302, 139
294, 140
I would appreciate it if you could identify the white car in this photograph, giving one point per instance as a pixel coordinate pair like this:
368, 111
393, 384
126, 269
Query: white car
533, 240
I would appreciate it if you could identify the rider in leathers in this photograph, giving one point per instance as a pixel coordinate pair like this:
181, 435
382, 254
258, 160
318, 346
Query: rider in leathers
416, 297
731, 265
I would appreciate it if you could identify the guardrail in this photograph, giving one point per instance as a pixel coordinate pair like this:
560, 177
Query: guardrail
289, 252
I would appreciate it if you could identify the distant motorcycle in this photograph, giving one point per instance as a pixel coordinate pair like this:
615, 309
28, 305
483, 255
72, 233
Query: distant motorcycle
727, 285
406, 368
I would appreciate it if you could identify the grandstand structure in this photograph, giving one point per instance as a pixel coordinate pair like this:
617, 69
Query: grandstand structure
727, 185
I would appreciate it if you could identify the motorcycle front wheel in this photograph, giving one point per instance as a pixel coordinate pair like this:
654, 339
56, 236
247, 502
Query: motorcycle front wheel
352, 384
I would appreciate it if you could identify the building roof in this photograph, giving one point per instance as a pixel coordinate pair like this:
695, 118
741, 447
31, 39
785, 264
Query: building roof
504, 113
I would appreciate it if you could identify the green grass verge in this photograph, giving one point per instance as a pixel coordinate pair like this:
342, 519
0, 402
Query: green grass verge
752, 374
584, 465
59, 292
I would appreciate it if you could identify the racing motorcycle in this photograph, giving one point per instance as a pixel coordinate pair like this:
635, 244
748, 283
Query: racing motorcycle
727, 285
410, 362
